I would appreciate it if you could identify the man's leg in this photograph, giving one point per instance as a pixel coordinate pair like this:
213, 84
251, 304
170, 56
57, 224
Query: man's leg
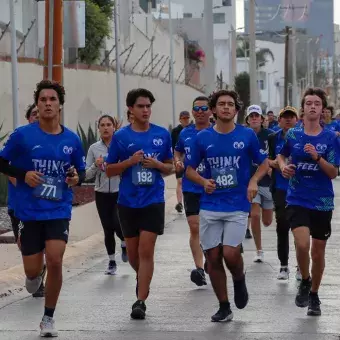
235, 225
299, 219
211, 231
147, 241
282, 232
256, 228
179, 194
192, 208
321, 230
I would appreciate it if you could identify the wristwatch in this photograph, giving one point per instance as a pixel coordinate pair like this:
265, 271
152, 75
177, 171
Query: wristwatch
318, 158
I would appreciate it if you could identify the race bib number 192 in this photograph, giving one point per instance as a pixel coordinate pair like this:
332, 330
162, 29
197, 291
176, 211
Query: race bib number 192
142, 176
51, 189
224, 177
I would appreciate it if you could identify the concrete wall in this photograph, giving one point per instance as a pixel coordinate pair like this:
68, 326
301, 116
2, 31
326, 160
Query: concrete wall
88, 94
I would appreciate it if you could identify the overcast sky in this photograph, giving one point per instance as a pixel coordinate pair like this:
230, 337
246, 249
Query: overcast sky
240, 20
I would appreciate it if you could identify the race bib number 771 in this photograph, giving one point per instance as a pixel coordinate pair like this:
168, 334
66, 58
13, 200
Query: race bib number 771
51, 189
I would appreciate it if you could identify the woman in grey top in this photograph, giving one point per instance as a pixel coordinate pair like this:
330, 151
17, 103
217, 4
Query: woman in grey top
106, 190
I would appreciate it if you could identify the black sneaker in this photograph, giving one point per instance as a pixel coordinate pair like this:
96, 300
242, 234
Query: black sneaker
223, 314
241, 296
40, 292
248, 234
314, 305
179, 207
138, 310
197, 276
302, 296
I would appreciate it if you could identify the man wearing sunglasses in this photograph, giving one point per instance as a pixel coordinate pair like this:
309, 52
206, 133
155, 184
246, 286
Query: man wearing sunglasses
192, 192
184, 121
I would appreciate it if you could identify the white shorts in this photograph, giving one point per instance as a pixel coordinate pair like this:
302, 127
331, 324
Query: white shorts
226, 228
264, 198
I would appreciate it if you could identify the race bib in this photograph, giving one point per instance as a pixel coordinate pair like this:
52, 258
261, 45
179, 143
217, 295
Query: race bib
142, 176
51, 189
224, 177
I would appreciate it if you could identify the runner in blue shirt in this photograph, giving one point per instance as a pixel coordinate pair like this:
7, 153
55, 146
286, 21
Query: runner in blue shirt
313, 157
262, 205
46, 159
273, 124
327, 120
191, 191
227, 151
31, 116
279, 185
141, 154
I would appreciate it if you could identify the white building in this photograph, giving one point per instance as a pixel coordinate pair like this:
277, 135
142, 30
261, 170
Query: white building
224, 12
270, 76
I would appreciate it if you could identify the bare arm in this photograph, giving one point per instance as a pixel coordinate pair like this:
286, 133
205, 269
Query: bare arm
194, 176
261, 171
117, 169
13, 181
328, 168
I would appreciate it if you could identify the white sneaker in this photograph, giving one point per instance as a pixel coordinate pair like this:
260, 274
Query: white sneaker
259, 258
283, 274
298, 275
47, 329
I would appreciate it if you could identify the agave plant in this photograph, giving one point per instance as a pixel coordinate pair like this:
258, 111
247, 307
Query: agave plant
5, 135
87, 139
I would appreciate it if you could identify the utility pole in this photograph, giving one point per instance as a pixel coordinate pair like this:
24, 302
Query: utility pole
117, 49
14, 64
171, 66
254, 98
209, 47
286, 66
53, 51
232, 54
294, 76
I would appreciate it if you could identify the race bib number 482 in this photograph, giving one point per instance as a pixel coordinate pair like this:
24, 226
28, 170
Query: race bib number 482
51, 189
224, 177
142, 176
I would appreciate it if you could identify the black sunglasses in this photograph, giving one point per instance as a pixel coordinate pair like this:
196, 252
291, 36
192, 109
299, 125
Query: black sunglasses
204, 108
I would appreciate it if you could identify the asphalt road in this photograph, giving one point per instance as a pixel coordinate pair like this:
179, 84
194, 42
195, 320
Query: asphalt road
93, 305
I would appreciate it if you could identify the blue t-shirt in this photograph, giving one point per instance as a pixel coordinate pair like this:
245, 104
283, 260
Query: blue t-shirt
274, 126
228, 159
185, 142
281, 183
310, 187
31, 149
333, 126
140, 187
263, 136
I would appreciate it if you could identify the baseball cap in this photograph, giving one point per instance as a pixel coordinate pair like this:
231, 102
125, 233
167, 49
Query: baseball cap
254, 109
289, 109
184, 114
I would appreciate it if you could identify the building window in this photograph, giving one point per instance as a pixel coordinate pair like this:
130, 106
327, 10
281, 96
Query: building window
260, 84
219, 18
187, 15
226, 2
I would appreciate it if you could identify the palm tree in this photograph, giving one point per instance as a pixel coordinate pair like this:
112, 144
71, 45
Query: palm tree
262, 55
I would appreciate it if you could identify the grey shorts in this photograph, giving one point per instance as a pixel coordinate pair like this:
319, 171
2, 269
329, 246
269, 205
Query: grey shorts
226, 228
264, 198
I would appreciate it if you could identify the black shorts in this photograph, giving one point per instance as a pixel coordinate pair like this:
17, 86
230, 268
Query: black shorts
33, 234
15, 223
318, 222
191, 203
134, 220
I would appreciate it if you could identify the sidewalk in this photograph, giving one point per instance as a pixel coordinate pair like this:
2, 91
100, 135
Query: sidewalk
93, 305
86, 241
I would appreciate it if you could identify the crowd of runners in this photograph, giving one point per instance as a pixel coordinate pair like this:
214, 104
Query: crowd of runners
231, 177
